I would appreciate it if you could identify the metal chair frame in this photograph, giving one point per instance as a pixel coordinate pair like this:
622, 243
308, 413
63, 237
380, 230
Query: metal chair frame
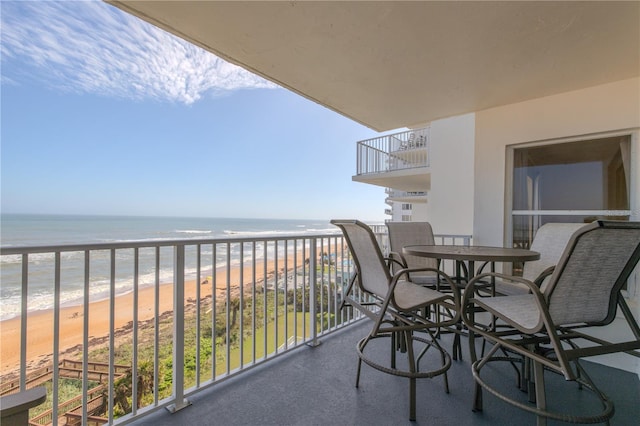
525, 339
390, 319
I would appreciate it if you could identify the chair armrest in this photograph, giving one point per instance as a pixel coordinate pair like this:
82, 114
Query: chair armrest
477, 281
467, 300
544, 274
484, 265
441, 274
398, 258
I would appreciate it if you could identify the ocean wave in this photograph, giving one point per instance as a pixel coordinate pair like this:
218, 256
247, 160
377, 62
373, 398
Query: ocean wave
39, 258
10, 259
40, 299
247, 234
271, 237
192, 231
41, 294
324, 230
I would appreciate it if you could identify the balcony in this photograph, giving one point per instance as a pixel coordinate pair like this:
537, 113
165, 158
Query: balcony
399, 161
298, 347
413, 197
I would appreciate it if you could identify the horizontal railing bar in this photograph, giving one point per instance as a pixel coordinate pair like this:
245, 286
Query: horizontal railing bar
5, 251
397, 136
367, 146
452, 236
572, 212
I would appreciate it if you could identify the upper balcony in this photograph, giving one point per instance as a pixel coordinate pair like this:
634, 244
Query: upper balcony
399, 161
414, 197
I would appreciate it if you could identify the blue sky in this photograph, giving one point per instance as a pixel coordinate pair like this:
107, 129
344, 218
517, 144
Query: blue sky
104, 114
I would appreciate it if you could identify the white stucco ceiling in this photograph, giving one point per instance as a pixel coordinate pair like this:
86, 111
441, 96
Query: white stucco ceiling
395, 64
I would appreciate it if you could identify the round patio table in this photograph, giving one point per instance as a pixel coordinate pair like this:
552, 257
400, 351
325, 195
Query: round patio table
470, 254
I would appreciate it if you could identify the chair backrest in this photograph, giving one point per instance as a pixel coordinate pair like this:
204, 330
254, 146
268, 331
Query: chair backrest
550, 241
585, 286
373, 273
411, 233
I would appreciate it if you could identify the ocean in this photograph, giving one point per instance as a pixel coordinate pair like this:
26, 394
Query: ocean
41, 230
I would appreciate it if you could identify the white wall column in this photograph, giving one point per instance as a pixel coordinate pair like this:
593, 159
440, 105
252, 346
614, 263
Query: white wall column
450, 200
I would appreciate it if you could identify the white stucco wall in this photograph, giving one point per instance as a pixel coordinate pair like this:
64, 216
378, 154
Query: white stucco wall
419, 212
592, 111
450, 200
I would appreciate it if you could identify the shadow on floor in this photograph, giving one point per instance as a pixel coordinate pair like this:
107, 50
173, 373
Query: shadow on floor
316, 386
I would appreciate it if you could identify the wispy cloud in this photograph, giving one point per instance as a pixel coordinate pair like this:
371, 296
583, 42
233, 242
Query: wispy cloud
91, 47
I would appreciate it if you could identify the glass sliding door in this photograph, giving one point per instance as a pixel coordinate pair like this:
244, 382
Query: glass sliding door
578, 181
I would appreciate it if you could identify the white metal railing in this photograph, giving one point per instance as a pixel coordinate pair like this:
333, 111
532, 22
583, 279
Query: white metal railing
235, 304
253, 299
404, 150
394, 193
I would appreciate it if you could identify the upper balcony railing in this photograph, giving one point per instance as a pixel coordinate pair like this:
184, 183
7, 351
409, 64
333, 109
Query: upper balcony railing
212, 307
394, 193
404, 150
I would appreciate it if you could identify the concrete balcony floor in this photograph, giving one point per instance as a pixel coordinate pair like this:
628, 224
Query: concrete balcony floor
316, 386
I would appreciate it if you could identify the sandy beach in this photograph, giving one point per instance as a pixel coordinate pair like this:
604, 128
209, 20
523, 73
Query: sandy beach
40, 323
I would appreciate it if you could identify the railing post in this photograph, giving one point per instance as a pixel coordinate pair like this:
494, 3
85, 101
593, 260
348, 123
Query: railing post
312, 293
178, 331
23, 322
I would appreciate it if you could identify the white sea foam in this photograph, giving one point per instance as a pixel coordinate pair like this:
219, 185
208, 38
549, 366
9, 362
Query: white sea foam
100, 289
193, 231
323, 230
48, 230
11, 259
248, 234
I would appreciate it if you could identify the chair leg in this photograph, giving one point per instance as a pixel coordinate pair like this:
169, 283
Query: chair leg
412, 399
477, 398
457, 346
541, 400
406, 340
529, 380
536, 383
583, 376
361, 345
475, 368
412, 380
446, 377
394, 348
443, 357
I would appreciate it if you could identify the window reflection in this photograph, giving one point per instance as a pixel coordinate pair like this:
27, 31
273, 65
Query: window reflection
584, 175
551, 182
